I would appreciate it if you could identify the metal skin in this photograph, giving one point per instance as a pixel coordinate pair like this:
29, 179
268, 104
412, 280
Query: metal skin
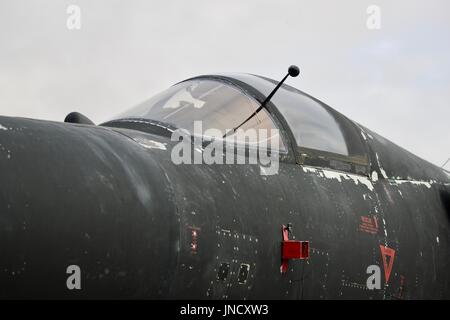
109, 199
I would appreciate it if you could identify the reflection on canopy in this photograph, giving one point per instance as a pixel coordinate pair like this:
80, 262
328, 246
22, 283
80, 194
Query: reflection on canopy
312, 125
215, 103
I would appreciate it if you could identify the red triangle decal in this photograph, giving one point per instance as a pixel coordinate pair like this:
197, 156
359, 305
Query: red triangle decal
387, 252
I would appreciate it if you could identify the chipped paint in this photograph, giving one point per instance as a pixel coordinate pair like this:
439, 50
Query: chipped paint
415, 182
383, 173
147, 122
358, 180
374, 176
151, 144
333, 175
309, 169
340, 176
384, 227
8, 152
363, 135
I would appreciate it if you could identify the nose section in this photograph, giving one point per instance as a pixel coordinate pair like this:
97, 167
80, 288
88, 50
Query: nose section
84, 213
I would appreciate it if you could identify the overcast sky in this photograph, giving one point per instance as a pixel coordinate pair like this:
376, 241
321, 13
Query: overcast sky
395, 80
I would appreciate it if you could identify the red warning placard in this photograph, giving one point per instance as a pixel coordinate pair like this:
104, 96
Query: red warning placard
369, 224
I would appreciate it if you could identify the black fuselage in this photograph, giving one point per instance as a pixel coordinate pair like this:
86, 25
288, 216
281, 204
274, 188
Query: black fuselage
139, 226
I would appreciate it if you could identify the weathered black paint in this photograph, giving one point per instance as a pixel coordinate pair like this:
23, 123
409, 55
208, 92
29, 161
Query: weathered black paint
105, 199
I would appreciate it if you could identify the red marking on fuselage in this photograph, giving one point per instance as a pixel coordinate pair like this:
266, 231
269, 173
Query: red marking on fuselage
400, 294
387, 252
194, 239
284, 262
369, 224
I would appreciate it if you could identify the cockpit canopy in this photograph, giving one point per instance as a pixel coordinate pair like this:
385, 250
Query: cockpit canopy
309, 132
217, 104
224, 102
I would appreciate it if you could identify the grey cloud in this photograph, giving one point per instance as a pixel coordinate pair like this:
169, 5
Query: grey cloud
394, 81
